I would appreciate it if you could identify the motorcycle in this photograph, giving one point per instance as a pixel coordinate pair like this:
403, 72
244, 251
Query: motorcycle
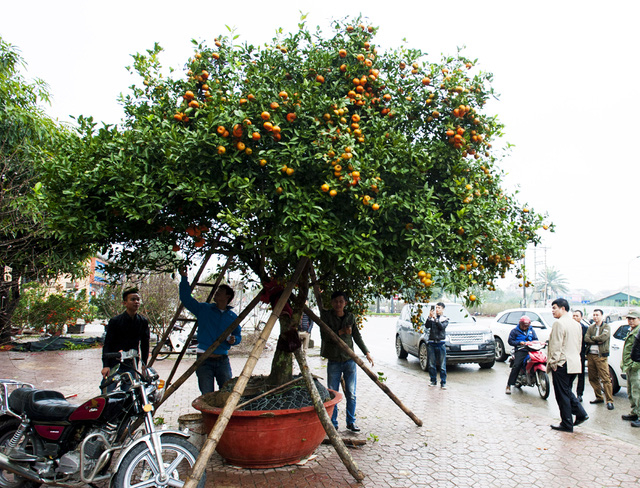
534, 371
46, 440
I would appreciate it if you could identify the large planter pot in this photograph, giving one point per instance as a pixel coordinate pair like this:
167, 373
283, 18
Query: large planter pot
268, 438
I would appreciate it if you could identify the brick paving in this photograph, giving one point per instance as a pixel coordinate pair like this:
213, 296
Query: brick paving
465, 441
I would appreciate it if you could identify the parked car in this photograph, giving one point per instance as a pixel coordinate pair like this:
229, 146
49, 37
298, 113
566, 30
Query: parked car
619, 331
466, 340
541, 320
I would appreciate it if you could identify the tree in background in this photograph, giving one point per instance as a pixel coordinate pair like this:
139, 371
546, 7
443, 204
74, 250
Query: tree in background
551, 282
379, 166
28, 138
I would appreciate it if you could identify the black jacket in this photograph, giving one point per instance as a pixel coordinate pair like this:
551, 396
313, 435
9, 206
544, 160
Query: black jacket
436, 327
123, 333
635, 350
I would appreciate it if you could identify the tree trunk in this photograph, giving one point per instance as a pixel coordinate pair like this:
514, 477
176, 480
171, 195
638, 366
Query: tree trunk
282, 363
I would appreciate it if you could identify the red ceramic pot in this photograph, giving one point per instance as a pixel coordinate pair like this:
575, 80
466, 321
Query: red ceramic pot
268, 438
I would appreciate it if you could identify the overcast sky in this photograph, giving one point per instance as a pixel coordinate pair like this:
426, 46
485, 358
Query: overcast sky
567, 72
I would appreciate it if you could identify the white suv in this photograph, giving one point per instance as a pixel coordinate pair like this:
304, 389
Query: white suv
541, 321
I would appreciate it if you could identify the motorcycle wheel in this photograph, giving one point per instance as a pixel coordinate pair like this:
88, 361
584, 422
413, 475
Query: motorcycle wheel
542, 379
7, 478
140, 468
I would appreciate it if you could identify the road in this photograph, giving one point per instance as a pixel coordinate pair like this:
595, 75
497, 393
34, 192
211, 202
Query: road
379, 335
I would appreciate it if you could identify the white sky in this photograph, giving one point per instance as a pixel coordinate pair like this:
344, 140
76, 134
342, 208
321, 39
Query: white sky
567, 72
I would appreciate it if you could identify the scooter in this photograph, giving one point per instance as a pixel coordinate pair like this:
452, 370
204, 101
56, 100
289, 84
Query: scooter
176, 342
45, 440
534, 371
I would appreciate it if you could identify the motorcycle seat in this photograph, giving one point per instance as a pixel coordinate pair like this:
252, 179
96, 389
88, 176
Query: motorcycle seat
40, 404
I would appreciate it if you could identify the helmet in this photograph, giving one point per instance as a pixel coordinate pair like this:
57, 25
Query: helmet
524, 320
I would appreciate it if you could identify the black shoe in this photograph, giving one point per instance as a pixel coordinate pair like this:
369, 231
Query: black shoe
561, 428
609, 406
580, 398
353, 427
580, 420
631, 416
596, 401
635, 423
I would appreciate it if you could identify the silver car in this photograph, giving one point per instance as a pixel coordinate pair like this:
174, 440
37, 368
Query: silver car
466, 340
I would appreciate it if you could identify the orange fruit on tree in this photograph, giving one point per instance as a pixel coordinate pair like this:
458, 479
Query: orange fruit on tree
422, 274
237, 130
342, 53
256, 136
375, 206
325, 188
283, 94
472, 298
189, 95
265, 115
220, 130
343, 67
291, 117
279, 190
222, 149
178, 116
290, 171
268, 126
241, 146
263, 162
333, 193
320, 79
194, 104
274, 105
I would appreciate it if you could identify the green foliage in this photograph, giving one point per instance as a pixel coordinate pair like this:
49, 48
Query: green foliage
407, 150
70, 346
50, 312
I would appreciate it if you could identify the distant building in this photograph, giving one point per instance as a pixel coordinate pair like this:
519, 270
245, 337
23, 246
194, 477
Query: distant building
93, 283
619, 299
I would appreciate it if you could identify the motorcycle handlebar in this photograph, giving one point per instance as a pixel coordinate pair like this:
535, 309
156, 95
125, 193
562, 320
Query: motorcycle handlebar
122, 355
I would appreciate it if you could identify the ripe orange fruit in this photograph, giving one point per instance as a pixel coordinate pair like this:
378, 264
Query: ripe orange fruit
274, 105
342, 53
265, 115
283, 94
215, 56
189, 95
325, 188
279, 190
255, 136
222, 149
237, 130
263, 162
241, 146
291, 117
178, 116
343, 67
290, 171
220, 130
422, 274
360, 57
268, 126
320, 79
194, 104
333, 193
375, 206
472, 298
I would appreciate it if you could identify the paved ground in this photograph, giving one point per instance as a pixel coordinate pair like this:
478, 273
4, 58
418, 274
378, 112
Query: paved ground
466, 441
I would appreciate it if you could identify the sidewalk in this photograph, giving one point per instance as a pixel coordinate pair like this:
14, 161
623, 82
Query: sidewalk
464, 442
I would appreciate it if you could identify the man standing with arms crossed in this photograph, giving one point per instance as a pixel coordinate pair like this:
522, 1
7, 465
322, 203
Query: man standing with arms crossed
632, 369
597, 339
565, 343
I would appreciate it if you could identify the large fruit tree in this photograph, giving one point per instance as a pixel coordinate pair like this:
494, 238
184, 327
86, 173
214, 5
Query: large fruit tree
378, 165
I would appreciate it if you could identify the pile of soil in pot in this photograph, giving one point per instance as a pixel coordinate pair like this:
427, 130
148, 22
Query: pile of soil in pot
292, 397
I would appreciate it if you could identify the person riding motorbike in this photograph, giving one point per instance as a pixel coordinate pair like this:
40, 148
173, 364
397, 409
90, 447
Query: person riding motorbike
520, 335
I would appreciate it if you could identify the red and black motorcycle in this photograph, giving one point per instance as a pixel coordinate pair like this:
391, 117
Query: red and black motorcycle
534, 370
45, 440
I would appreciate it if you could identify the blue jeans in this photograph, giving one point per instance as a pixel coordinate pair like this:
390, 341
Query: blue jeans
335, 371
218, 369
437, 362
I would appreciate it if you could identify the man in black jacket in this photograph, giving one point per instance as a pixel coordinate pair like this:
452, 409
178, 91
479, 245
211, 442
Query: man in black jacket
436, 324
126, 331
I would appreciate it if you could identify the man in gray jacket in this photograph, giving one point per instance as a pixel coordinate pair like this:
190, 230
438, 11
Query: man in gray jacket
565, 343
597, 340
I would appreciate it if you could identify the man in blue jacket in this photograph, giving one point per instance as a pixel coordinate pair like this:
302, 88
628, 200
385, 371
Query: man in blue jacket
213, 319
520, 335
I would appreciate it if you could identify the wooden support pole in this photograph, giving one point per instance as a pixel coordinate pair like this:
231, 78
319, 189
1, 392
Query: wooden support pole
320, 409
333, 336
218, 429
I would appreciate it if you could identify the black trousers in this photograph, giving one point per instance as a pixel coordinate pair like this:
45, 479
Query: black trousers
518, 363
580, 388
567, 401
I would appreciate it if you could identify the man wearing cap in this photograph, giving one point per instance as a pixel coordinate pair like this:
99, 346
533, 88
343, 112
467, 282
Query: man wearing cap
632, 369
520, 335
598, 337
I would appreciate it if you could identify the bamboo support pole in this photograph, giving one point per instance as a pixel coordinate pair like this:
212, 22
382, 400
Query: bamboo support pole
320, 409
335, 338
220, 425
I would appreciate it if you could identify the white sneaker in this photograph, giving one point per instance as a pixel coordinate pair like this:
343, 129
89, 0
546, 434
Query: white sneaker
443, 387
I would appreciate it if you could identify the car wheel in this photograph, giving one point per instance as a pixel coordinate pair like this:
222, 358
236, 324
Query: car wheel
501, 353
423, 356
400, 351
488, 365
615, 384
543, 384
